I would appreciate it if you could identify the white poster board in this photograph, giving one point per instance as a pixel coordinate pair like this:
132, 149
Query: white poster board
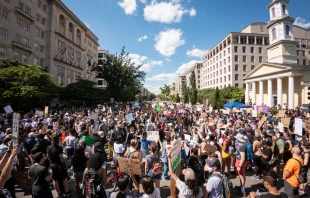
8, 109
175, 153
15, 128
281, 127
187, 137
46, 110
152, 136
298, 126
94, 116
39, 113
254, 113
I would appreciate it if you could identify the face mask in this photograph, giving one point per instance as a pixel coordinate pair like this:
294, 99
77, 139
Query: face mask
277, 136
209, 169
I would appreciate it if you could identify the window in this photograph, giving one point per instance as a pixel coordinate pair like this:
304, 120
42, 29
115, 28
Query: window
228, 77
304, 61
244, 58
20, 5
236, 76
228, 50
2, 52
224, 78
37, 32
283, 9
236, 48
244, 68
3, 33
252, 50
35, 61
5, 14
38, 18
36, 47
224, 61
42, 35
298, 61
304, 53
224, 70
252, 59
26, 25
224, 53
19, 22
236, 58
236, 67
44, 8
229, 59
220, 63
42, 49
260, 59
252, 67
18, 38
24, 58
220, 56
236, 84
260, 49
228, 68
43, 21
220, 72
274, 34
287, 30
39, 3
25, 41
243, 49
17, 56
42, 62
8, 1
28, 10
273, 12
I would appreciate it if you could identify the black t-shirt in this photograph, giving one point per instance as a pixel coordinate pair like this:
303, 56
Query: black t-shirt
250, 137
268, 195
40, 186
53, 152
267, 152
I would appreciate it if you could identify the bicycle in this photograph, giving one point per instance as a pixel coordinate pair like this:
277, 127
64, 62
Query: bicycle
113, 177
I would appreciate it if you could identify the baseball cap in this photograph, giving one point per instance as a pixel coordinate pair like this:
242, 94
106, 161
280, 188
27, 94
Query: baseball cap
189, 174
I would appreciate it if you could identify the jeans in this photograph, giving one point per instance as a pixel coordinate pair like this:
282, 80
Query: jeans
165, 169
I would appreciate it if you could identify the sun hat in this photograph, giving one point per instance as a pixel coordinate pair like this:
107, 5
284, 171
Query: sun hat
189, 174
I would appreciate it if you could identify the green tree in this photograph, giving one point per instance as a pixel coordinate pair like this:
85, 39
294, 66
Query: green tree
83, 92
173, 98
25, 87
121, 74
193, 92
165, 90
217, 102
161, 97
178, 98
185, 97
238, 94
152, 96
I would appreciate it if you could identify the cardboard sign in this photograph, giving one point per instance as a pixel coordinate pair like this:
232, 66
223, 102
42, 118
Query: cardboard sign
39, 113
94, 116
129, 117
127, 165
281, 113
210, 148
262, 121
254, 113
46, 110
176, 153
179, 118
8, 109
286, 122
152, 136
15, 128
298, 126
249, 110
307, 125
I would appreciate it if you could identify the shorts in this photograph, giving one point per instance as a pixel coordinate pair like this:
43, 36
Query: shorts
78, 174
149, 173
59, 172
290, 190
243, 168
110, 148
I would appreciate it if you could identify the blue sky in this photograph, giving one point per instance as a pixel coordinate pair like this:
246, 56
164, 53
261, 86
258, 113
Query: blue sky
169, 36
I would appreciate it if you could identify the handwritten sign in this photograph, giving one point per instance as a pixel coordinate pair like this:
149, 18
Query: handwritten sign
307, 125
152, 136
94, 116
298, 126
281, 113
281, 127
39, 113
179, 118
210, 148
176, 153
127, 165
249, 110
254, 113
286, 122
262, 121
15, 130
187, 137
8, 109
129, 117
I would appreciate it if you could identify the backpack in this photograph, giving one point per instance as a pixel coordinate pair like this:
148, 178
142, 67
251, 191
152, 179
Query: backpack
303, 173
227, 186
157, 168
249, 151
92, 186
194, 164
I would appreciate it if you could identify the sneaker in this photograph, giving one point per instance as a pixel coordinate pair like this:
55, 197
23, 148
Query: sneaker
253, 177
67, 194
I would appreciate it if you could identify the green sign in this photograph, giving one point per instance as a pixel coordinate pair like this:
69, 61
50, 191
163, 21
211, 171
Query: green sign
158, 108
176, 161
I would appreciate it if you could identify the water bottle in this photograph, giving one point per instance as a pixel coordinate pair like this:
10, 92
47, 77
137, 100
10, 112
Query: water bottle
257, 193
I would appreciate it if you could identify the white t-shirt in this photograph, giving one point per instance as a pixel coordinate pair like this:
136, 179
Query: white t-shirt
70, 140
118, 148
155, 194
215, 187
185, 192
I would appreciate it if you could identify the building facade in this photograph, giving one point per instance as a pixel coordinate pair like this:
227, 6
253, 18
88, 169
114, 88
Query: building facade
172, 89
179, 83
102, 56
49, 34
239, 53
196, 68
280, 80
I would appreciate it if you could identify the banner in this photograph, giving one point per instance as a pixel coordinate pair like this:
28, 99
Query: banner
127, 165
152, 136
8, 109
129, 117
176, 153
298, 126
264, 109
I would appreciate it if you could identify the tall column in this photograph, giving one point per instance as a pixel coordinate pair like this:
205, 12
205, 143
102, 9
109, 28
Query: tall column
239, 40
291, 92
253, 92
247, 93
270, 102
279, 91
261, 93
247, 39
263, 40
255, 40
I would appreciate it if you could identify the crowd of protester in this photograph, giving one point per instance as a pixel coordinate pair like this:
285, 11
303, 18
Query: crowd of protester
52, 146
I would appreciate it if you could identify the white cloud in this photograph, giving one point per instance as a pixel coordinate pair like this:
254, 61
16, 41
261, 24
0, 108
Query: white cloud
129, 6
142, 38
195, 52
170, 77
147, 63
143, 1
153, 89
166, 12
302, 23
168, 41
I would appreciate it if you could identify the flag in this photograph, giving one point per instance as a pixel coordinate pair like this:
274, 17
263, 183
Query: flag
89, 63
61, 52
64, 51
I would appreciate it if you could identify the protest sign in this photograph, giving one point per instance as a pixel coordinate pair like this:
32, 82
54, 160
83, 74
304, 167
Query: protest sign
199, 106
298, 126
158, 108
264, 109
210, 148
262, 121
199, 109
127, 165
249, 110
127, 108
39, 113
94, 116
168, 133
129, 117
175, 153
152, 136
281, 127
46, 110
187, 137
15, 128
254, 113
111, 100
286, 122
96, 110
8, 109
187, 150
216, 111
281, 114
179, 118
307, 125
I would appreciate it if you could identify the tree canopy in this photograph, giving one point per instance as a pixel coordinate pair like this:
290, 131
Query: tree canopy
165, 90
193, 92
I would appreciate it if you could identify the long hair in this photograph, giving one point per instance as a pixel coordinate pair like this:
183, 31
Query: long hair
194, 186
